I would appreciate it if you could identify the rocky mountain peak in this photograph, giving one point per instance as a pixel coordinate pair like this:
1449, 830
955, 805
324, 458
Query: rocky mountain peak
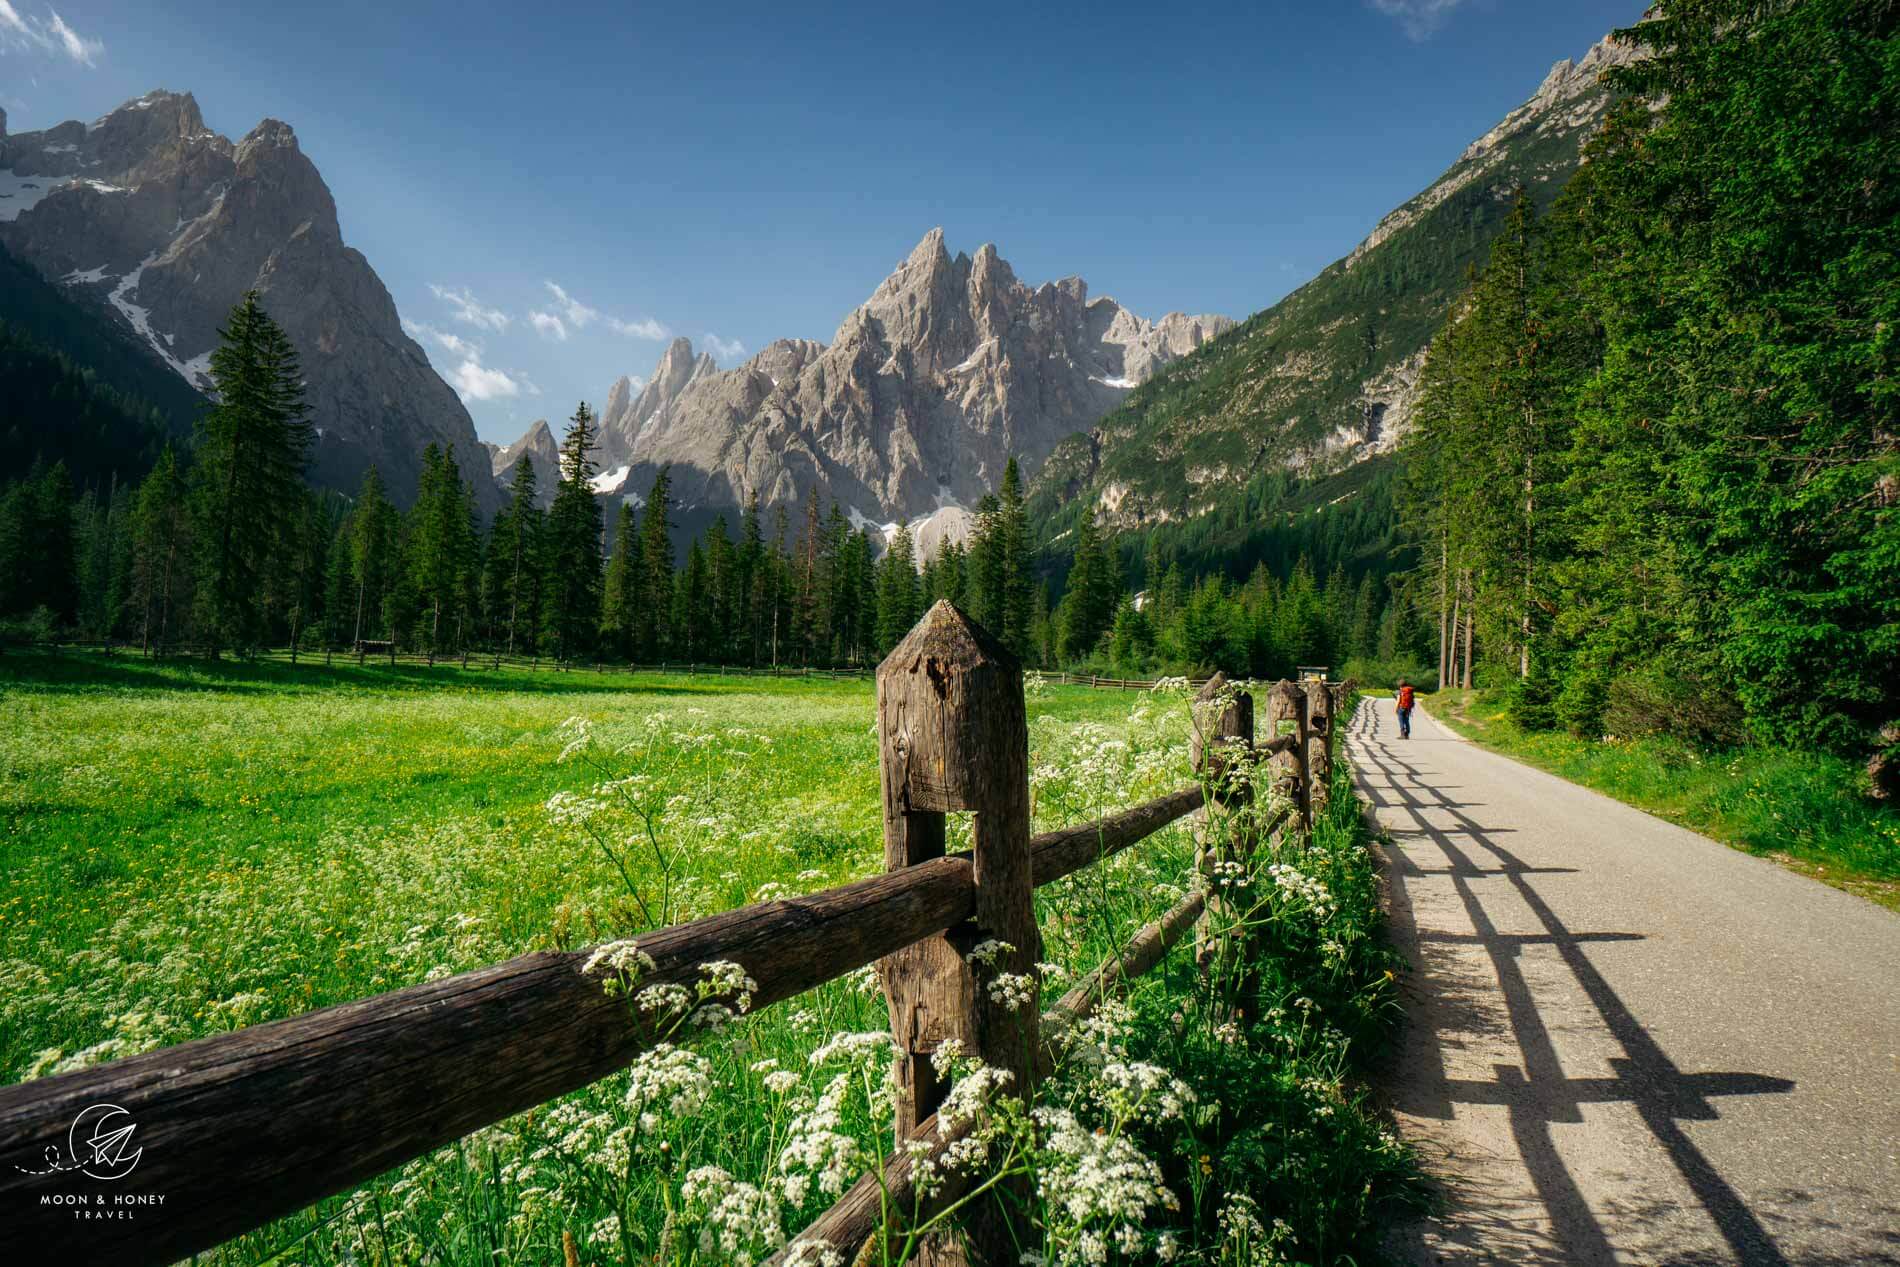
619, 401
929, 251
165, 225
948, 369
268, 134
543, 452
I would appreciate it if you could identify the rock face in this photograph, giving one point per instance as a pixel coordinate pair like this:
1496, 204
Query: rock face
167, 224
544, 456
1328, 376
950, 368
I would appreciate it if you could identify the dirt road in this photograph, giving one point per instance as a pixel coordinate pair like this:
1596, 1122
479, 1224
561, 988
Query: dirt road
1627, 1043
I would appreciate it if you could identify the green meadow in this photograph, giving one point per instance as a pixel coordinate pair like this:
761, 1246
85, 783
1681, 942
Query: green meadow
193, 847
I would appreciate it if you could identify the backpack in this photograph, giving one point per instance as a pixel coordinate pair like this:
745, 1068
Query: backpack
1405, 697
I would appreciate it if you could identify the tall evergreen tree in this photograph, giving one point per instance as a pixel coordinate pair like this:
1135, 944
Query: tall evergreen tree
161, 548
304, 589
754, 583
373, 531
571, 612
515, 560
247, 472
1089, 605
441, 556
654, 619
1013, 563
621, 596
898, 604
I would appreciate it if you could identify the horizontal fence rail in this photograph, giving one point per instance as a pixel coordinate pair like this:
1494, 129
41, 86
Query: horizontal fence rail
241, 1128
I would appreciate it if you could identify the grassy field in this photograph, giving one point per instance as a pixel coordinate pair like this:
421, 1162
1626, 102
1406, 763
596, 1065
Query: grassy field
1802, 809
190, 848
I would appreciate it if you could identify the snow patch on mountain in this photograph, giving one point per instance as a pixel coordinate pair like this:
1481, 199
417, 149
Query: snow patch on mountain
195, 371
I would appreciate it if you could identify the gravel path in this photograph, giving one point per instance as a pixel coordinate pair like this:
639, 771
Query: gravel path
1626, 1042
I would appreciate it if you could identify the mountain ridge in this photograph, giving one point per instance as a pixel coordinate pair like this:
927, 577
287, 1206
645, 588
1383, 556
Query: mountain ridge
1326, 377
164, 224
951, 367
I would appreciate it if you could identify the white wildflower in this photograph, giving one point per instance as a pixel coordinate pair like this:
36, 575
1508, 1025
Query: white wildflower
668, 1083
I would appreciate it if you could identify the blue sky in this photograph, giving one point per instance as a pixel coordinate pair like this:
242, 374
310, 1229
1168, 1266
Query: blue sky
739, 173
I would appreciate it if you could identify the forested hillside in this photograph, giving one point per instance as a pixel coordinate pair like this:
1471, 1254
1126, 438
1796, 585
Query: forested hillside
1657, 470
60, 360
1324, 377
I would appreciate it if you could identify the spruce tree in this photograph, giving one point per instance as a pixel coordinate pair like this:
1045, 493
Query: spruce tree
304, 593
620, 599
247, 472
692, 606
1089, 605
722, 592
654, 618
1012, 564
372, 551
754, 583
571, 615
161, 547
897, 590
515, 558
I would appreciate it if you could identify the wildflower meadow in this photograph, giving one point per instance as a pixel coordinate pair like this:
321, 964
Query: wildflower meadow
191, 849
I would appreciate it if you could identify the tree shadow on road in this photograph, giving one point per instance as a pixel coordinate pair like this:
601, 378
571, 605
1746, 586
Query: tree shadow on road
1498, 999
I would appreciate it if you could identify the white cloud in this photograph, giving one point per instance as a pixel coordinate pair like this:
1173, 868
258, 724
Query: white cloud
469, 310
724, 349
647, 329
24, 34
578, 314
1419, 18
77, 47
474, 381
447, 340
573, 314
12, 23
471, 379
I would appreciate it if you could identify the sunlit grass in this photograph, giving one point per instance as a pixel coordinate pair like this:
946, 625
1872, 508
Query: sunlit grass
1802, 808
194, 848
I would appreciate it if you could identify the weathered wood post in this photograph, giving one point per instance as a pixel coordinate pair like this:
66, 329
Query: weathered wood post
1222, 738
1289, 768
953, 734
1320, 706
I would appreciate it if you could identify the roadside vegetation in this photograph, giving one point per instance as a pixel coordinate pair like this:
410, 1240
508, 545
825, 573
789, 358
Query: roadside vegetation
190, 848
1806, 810
1653, 473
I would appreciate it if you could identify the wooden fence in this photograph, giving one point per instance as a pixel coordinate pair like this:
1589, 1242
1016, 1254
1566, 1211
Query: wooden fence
245, 1127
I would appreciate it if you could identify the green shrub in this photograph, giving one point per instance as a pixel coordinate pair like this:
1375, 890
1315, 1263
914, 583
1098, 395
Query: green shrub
1531, 702
1665, 698
1581, 699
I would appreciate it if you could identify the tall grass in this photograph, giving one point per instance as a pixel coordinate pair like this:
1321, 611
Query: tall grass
1805, 806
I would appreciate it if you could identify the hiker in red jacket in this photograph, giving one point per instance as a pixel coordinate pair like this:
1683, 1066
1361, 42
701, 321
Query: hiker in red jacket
1405, 701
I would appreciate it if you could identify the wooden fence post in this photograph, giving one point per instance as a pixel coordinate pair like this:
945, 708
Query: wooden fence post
953, 734
1319, 743
1289, 768
1223, 729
